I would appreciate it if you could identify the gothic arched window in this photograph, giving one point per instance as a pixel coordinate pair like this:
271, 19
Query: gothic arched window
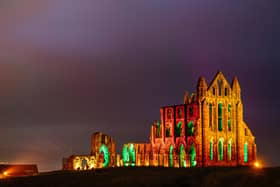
192, 154
179, 113
220, 119
245, 153
211, 150
229, 117
169, 114
190, 128
210, 115
229, 150
171, 155
158, 130
220, 150
182, 157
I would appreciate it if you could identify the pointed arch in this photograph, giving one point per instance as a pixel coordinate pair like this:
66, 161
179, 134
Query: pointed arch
220, 149
132, 154
171, 155
192, 154
129, 155
210, 115
229, 150
211, 149
125, 155
182, 156
104, 150
220, 116
245, 152
229, 117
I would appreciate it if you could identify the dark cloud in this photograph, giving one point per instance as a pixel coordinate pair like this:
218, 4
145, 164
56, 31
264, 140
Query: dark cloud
69, 68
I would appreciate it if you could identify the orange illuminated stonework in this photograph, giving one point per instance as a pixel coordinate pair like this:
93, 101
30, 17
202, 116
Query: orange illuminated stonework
206, 130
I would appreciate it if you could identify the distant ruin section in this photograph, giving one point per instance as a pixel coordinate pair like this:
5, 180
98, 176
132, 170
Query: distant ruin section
103, 154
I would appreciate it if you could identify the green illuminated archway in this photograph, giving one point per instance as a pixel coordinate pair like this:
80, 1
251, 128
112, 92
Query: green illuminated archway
182, 156
245, 153
104, 150
192, 156
229, 117
220, 149
132, 154
128, 153
171, 155
125, 155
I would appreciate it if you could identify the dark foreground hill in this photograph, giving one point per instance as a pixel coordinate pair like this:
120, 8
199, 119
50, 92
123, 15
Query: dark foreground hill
132, 177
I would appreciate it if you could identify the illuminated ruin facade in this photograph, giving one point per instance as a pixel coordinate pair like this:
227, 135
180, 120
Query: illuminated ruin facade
206, 130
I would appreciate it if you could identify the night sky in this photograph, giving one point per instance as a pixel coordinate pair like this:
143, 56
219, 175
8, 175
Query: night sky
69, 68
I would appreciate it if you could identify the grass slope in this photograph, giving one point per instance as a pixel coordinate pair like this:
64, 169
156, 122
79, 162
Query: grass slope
133, 177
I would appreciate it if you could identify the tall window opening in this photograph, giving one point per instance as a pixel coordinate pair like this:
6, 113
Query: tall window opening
171, 155
229, 150
179, 129
182, 157
211, 150
158, 130
190, 128
210, 115
229, 117
192, 156
169, 114
106, 155
220, 150
220, 119
179, 113
245, 153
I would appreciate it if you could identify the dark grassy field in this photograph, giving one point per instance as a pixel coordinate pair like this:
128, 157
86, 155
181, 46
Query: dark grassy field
210, 177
